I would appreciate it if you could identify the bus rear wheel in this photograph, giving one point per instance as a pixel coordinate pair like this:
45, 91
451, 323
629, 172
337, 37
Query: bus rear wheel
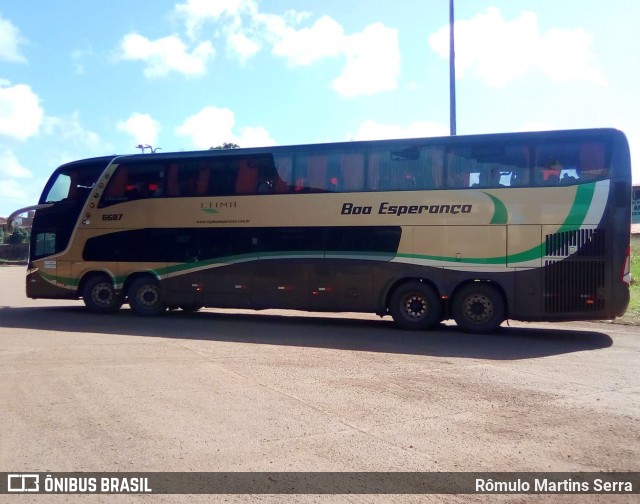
478, 308
100, 295
145, 297
415, 306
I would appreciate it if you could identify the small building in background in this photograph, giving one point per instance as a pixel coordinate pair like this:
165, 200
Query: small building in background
635, 210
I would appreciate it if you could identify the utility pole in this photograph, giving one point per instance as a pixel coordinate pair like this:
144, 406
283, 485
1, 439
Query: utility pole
452, 72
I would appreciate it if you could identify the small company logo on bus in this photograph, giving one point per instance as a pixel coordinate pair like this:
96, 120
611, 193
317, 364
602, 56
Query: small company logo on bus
216, 206
386, 208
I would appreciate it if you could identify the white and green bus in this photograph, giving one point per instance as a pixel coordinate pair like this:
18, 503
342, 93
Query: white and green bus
480, 229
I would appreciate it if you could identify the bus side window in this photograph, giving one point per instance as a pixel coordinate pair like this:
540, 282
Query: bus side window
488, 166
114, 192
458, 176
284, 168
247, 179
351, 172
398, 169
204, 174
373, 171
144, 181
310, 173
558, 163
434, 157
131, 182
172, 185
318, 173
593, 161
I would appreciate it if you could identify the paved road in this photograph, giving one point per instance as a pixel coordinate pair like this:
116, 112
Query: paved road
277, 391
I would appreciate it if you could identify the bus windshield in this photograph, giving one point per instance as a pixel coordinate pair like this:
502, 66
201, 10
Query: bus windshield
72, 183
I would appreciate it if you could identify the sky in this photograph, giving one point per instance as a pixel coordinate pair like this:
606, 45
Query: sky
80, 79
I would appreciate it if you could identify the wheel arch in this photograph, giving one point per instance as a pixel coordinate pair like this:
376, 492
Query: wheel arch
131, 277
88, 275
392, 286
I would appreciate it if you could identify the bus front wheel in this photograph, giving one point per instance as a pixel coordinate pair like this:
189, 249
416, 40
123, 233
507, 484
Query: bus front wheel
415, 306
478, 308
145, 297
100, 295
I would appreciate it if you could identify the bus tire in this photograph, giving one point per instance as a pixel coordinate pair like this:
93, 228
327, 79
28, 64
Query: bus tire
415, 306
100, 295
478, 308
145, 297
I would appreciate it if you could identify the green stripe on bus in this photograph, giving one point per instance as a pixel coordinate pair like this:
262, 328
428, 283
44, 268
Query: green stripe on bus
575, 218
500, 214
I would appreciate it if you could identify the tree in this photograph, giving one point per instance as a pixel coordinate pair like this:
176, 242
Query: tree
225, 145
19, 235
1, 234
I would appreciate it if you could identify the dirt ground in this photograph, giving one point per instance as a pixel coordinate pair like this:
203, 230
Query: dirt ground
285, 391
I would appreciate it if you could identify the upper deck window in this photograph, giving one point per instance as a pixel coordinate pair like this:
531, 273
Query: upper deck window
133, 182
488, 165
566, 163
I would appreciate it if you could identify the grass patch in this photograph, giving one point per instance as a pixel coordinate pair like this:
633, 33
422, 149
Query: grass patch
632, 316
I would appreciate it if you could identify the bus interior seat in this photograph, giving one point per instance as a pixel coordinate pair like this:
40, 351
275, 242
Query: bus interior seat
203, 181
247, 180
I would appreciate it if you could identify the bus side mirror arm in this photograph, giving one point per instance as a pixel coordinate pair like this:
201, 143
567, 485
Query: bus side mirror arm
15, 214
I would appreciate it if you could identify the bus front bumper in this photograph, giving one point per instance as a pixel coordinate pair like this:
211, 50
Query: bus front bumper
38, 287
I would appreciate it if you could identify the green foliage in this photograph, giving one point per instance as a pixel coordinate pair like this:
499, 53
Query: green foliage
19, 235
1, 235
633, 312
225, 145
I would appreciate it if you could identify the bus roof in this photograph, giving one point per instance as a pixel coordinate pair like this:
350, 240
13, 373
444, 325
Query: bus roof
448, 140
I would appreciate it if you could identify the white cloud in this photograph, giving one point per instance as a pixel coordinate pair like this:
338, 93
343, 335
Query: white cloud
197, 12
11, 167
241, 46
13, 191
142, 128
254, 136
575, 59
499, 51
325, 38
166, 54
213, 126
372, 55
373, 62
372, 130
10, 39
20, 112
70, 130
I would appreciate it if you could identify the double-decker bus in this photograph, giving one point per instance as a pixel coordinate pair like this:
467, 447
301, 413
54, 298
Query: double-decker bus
480, 229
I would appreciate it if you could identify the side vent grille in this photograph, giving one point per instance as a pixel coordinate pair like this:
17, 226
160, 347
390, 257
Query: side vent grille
622, 195
574, 272
573, 286
579, 243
